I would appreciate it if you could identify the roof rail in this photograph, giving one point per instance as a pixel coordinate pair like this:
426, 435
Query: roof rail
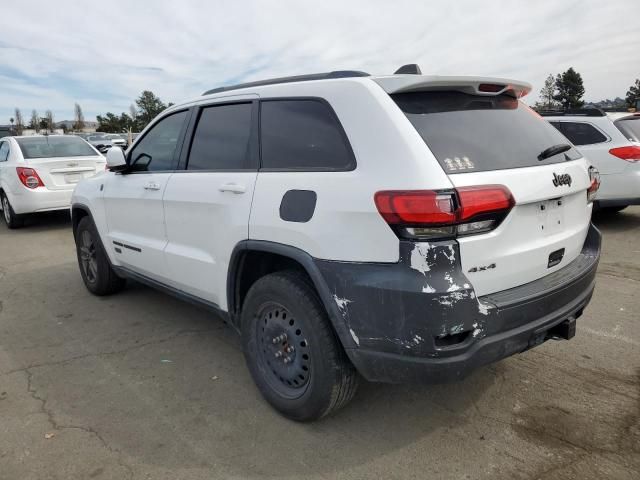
296, 78
578, 112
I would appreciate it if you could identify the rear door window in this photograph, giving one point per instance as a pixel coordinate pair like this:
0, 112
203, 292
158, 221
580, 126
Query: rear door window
222, 139
580, 133
303, 134
472, 133
630, 128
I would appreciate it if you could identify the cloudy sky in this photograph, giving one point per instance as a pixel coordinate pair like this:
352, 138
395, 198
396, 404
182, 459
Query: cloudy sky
55, 53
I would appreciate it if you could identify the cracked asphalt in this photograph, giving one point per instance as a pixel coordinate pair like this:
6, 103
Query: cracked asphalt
143, 386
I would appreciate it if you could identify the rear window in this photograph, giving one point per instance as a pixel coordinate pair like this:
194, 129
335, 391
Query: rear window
472, 133
580, 133
630, 128
302, 135
51, 147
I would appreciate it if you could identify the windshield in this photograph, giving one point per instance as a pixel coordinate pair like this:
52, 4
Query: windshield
630, 128
51, 147
472, 133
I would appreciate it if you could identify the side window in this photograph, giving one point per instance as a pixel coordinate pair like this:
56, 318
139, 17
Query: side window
4, 151
222, 139
302, 135
580, 133
157, 150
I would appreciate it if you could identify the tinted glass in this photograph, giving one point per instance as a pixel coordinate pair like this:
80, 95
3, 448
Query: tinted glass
54, 146
223, 139
4, 151
470, 133
302, 134
580, 133
630, 128
156, 151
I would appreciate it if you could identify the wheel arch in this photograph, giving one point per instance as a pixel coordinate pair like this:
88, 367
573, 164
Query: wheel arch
288, 257
78, 212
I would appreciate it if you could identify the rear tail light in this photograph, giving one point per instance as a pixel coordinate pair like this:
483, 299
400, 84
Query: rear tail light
490, 87
29, 177
420, 214
630, 153
594, 177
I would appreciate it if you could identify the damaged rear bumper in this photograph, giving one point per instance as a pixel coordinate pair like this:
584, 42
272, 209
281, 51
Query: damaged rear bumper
408, 324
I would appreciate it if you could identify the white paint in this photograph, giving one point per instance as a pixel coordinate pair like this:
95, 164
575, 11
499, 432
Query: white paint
456, 329
428, 289
476, 330
483, 308
342, 303
453, 288
419, 258
355, 337
417, 339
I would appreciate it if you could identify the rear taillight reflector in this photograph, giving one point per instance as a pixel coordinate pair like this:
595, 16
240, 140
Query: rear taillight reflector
630, 153
594, 177
428, 213
29, 177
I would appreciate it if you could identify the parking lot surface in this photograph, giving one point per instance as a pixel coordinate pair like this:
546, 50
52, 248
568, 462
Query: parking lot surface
142, 385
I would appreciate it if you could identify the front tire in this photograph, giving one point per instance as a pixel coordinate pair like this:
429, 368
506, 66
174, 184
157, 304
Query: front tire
95, 268
10, 218
291, 350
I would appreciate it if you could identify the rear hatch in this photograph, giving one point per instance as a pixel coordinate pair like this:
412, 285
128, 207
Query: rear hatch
483, 139
61, 161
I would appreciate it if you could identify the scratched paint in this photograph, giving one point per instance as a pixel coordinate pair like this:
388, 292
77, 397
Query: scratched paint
419, 260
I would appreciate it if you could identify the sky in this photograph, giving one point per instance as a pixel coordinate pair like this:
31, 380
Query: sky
103, 54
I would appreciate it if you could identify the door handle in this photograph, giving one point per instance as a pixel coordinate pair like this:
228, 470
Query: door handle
152, 186
233, 187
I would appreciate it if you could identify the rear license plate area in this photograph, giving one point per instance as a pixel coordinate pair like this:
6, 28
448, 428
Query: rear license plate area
551, 216
72, 177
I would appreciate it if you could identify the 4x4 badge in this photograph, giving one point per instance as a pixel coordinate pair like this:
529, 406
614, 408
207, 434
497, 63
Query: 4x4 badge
564, 179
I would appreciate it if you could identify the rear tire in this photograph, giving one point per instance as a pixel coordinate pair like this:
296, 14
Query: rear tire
291, 350
10, 217
95, 268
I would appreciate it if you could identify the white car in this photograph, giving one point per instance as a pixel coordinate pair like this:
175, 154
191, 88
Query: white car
117, 140
612, 145
401, 228
39, 173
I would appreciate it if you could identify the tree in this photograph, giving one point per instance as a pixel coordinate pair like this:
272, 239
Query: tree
133, 113
34, 124
78, 123
547, 92
111, 123
48, 118
19, 121
570, 89
149, 106
633, 94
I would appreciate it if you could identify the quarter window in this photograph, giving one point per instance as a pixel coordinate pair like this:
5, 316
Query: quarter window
222, 140
302, 135
157, 150
4, 151
580, 133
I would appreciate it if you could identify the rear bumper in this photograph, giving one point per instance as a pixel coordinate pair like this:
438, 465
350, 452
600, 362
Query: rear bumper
40, 200
403, 339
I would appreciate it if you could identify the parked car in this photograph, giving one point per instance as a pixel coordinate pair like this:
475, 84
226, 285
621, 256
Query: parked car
38, 173
100, 142
401, 228
612, 146
117, 140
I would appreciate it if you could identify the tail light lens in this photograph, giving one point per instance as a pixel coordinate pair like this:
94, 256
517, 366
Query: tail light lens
630, 153
29, 177
594, 176
420, 214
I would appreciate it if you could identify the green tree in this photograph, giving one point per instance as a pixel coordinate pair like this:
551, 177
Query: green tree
48, 118
570, 89
149, 106
112, 123
633, 94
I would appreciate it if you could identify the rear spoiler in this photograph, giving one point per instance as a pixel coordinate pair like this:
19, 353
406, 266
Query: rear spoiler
473, 85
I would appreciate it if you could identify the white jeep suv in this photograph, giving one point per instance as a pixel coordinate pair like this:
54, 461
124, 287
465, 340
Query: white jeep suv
398, 228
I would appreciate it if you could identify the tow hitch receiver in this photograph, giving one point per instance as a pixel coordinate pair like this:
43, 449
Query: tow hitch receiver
564, 330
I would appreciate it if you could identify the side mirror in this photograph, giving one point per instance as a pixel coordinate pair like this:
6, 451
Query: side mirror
116, 161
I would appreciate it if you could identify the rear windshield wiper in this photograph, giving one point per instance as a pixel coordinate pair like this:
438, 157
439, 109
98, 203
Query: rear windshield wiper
554, 150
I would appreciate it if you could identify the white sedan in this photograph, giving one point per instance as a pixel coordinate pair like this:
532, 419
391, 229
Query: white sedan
39, 173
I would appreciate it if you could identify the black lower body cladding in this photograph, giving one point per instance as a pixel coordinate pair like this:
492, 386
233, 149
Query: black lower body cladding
420, 320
